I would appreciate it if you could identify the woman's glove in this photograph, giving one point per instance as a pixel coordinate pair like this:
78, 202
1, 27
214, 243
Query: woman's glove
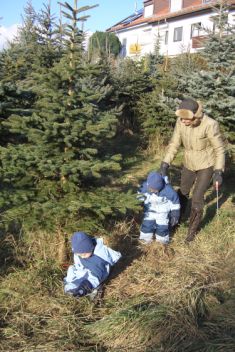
217, 178
164, 168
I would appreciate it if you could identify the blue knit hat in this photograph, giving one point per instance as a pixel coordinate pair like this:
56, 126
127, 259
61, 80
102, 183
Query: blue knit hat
155, 181
82, 243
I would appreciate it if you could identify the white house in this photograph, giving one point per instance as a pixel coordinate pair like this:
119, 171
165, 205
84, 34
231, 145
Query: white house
176, 24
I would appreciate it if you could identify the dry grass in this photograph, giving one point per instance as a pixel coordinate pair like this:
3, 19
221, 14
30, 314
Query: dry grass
152, 302
156, 146
36, 316
160, 302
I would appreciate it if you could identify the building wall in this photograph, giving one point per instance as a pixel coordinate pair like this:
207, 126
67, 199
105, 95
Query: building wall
161, 7
184, 45
143, 38
188, 3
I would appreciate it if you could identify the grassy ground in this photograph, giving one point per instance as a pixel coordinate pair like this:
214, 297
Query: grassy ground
152, 302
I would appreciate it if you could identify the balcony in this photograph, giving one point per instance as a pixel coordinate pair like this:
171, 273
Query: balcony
199, 41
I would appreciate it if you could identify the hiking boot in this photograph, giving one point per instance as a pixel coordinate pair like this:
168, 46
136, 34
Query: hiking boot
194, 222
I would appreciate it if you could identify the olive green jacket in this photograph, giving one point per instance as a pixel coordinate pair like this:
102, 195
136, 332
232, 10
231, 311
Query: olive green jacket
203, 145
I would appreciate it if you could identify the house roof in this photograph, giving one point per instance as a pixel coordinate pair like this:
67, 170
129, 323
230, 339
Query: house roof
132, 21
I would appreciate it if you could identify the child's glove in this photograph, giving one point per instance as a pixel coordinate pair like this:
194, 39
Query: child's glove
82, 290
173, 221
174, 217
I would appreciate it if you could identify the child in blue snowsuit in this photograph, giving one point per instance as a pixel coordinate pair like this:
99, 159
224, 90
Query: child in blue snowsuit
92, 263
161, 209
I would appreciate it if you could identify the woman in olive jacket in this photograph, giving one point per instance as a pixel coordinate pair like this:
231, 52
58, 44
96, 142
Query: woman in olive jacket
204, 157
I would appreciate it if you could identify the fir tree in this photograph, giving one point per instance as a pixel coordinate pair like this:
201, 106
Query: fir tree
13, 100
53, 175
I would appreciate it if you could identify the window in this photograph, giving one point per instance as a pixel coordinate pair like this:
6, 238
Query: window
166, 37
196, 29
123, 48
148, 11
175, 5
178, 34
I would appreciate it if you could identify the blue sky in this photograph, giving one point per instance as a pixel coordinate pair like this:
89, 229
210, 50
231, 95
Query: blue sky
108, 13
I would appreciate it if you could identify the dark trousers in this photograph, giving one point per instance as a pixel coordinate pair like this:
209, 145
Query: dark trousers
201, 180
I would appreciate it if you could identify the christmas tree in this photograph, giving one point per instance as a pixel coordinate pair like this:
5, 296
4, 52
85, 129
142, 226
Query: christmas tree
53, 174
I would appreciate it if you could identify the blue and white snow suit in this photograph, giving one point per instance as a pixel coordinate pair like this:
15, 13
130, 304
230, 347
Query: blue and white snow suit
94, 269
161, 212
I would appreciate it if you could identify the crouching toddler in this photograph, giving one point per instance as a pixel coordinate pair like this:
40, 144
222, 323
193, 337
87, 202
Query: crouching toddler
161, 209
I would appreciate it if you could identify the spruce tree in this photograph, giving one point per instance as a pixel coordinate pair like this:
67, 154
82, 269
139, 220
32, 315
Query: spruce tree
214, 85
20, 56
130, 80
155, 59
156, 109
48, 52
34, 48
